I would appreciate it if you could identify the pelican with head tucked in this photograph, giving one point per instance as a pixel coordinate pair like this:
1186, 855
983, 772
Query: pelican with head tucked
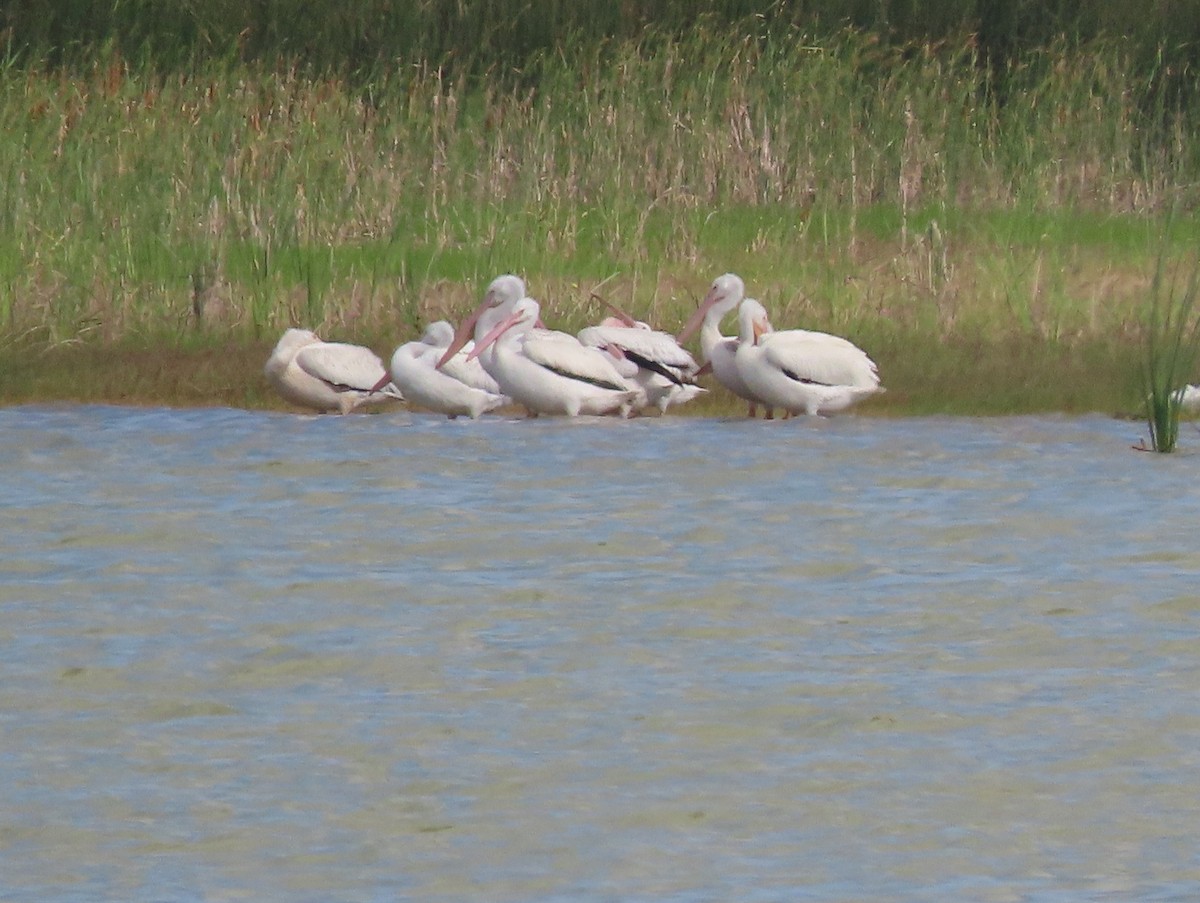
327, 376
664, 370
461, 388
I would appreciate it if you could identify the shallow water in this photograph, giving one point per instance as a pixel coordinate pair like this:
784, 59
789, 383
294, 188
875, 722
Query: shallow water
262, 656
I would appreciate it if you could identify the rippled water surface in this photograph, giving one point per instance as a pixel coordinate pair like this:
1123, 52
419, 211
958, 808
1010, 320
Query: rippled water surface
251, 656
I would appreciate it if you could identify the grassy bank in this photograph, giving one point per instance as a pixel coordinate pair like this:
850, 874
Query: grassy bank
962, 377
882, 193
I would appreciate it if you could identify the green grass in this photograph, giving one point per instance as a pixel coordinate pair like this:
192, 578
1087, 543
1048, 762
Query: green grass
923, 377
879, 192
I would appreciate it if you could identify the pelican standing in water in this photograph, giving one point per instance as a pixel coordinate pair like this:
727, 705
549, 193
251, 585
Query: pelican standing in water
548, 374
461, 388
437, 337
801, 371
664, 370
720, 351
327, 376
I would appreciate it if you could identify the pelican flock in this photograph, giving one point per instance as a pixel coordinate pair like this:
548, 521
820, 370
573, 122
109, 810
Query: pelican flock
502, 354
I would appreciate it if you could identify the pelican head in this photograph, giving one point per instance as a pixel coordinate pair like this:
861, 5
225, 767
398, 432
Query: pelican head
752, 321
725, 293
501, 291
438, 334
524, 315
295, 339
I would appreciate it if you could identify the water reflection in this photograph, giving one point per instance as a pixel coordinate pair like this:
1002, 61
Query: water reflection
398, 657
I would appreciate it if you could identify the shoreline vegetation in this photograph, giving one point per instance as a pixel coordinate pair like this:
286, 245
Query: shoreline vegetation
988, 228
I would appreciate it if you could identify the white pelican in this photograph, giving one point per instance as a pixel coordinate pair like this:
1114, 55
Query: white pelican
548, 373
663, 369
498, 301
438, 336
327, 376
719, 351
798, 370
460, 388
502, 293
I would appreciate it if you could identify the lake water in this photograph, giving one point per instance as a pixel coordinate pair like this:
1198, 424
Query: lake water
255, 656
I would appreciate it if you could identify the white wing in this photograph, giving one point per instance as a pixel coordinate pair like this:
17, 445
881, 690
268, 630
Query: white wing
342, 366
564, 354
415, 372
819, 357
469, 373
659, 348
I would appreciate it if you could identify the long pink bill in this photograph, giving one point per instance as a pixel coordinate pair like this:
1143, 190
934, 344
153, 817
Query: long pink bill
617, 352
496, 331
694, 322
464, 333
625, 319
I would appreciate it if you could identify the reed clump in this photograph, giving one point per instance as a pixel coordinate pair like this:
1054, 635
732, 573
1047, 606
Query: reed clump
1172, 343
886, 192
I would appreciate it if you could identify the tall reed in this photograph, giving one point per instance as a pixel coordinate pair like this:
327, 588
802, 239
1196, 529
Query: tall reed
1172, 345
244, 197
